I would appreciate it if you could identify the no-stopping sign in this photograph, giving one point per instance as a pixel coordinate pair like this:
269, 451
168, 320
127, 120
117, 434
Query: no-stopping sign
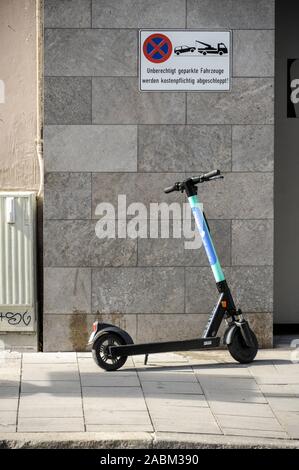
157, 48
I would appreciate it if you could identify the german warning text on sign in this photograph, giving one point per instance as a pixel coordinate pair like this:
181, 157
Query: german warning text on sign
184, 60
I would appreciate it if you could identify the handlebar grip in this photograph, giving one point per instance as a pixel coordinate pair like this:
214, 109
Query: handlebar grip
211, 174
170, 189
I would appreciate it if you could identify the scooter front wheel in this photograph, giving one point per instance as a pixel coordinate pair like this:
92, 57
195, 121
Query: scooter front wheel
239, 349
100, 352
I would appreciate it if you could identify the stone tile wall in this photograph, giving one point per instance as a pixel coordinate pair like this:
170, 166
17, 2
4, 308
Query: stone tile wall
103, 138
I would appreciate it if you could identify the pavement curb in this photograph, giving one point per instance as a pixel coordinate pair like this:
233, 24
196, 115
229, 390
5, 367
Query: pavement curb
138, 441
76, 440
213, 441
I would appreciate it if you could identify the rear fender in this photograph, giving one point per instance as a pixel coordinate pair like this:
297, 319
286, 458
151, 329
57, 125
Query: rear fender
107, 328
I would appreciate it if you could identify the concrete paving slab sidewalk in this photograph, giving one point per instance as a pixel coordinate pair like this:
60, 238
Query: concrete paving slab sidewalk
197, 399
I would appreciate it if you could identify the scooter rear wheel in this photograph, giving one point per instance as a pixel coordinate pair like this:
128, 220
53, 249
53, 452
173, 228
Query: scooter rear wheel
239, 349
101, 354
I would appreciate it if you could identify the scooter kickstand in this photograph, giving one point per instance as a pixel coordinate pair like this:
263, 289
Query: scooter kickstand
145, 359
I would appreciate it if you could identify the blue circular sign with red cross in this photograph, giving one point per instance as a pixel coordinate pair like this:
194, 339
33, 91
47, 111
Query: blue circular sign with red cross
157, 48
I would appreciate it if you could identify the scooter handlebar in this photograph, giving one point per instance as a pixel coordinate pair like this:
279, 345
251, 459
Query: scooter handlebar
206, 176
211, 174
170, 189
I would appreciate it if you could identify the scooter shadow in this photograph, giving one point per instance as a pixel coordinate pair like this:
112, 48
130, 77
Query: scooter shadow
227, 365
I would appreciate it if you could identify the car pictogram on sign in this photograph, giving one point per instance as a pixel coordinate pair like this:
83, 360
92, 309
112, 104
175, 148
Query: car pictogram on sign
157, 48
182, 49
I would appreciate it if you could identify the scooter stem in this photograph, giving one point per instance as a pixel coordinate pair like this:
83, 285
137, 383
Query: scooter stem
206, 238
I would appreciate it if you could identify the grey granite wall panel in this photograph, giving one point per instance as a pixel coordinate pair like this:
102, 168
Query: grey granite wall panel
253, 148
128, 290
90, 52
249, 58
250, 101
103, 138
90, 148
67, 13
67, 100
232, 14
138, 14
67, 196
117, 101
184, 148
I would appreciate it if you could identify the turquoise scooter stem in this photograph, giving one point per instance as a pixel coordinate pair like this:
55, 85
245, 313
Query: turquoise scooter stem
206, 238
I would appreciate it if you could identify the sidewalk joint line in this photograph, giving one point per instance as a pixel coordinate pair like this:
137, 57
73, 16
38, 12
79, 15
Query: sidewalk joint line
143, 394
81, 392
20, 391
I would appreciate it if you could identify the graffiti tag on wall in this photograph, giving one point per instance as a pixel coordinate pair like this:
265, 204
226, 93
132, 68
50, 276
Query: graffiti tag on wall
16, 318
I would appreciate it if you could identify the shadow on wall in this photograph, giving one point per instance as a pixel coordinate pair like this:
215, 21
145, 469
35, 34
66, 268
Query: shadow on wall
78, 333
80, 328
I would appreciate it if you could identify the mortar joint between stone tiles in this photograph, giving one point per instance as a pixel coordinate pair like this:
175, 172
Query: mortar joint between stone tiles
91, 14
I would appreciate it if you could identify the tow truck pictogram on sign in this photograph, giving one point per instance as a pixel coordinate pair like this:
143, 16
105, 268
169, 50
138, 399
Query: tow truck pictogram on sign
208, 49
157, 48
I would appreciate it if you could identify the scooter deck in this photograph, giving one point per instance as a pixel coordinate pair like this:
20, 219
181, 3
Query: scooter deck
167, 346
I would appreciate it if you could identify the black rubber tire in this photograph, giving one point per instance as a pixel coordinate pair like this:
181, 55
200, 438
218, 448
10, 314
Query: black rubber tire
239, 349
98, 352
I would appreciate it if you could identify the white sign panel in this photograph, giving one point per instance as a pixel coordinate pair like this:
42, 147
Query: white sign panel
184, 60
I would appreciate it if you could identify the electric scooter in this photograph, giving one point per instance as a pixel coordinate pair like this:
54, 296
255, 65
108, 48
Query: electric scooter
111, 345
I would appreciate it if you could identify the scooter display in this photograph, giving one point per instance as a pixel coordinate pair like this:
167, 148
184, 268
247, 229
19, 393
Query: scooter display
111, 345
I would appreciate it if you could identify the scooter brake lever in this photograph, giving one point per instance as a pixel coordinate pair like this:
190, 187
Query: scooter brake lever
216, 177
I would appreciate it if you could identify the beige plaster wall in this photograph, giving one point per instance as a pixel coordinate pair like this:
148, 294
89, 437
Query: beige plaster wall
18, 161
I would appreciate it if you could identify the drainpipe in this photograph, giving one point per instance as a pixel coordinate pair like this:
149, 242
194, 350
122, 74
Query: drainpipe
39, 93
39, 8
